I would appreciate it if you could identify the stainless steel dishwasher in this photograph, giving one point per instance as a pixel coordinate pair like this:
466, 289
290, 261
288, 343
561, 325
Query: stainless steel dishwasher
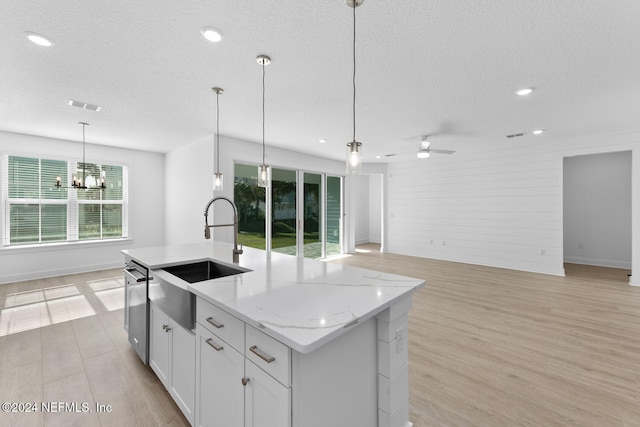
137, 308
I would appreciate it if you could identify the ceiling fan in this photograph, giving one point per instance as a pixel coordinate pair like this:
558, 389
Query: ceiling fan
424, 150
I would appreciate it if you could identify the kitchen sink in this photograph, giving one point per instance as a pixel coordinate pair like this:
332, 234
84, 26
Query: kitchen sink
203, 270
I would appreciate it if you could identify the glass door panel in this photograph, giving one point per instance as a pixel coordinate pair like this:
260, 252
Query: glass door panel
283, 208
333, 235
251, 203
312, 215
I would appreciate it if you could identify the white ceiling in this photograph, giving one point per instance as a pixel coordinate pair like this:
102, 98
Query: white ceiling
442, 67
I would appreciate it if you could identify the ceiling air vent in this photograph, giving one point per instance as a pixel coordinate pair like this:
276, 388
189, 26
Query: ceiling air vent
515, 135
85, 105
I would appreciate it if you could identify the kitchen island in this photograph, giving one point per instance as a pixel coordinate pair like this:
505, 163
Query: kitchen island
299, 341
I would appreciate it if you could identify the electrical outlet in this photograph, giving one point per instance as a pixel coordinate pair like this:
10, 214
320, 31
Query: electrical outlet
444, 243
401, 338
431, 242
580, 246
543, 251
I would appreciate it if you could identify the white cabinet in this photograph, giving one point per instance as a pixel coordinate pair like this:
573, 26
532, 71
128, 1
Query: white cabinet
172, 357
159, 344
267, 402
247, 378
220, 369
231, 389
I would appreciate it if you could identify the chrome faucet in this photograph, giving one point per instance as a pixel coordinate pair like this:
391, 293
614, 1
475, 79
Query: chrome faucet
207, 232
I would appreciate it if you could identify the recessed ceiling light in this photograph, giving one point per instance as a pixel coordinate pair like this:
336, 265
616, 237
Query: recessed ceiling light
322, 141
38, 39
378, 157
537, 131
524, 92
212, 34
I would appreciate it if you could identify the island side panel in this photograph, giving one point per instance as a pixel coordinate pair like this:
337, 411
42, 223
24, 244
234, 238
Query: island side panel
336, 385
393, 365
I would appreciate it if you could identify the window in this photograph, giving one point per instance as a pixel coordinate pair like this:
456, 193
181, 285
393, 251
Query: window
38, 212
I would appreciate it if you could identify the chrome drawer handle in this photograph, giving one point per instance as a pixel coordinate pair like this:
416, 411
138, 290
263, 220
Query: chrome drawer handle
261, 355
214, 323
215, 346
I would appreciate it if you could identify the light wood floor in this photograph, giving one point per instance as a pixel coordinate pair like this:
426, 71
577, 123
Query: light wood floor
495, 347
487, 347
73, 348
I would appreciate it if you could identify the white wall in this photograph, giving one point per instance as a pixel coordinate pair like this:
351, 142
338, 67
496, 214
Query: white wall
146, 211
194, 162
597, 209
499, 206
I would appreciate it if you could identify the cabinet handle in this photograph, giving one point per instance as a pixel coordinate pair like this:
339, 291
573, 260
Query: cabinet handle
245, 381
167, 329
215, 346
214, 323
164, 327
261, 355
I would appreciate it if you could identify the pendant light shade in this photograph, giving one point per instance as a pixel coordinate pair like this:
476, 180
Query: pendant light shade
263, 169
354, 148
354, 157
217, 176
264, 175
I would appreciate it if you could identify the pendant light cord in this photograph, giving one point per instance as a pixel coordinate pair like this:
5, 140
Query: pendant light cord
84, 163
354, 71
263, 74
217, 131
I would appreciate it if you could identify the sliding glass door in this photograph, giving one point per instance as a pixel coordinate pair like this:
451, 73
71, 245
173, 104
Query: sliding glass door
283, 208
251, 203
333, 206
304, 212
312, 215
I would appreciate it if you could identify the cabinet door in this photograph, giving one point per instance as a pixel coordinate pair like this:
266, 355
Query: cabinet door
267, 402
220, 390
159, 344
183, 368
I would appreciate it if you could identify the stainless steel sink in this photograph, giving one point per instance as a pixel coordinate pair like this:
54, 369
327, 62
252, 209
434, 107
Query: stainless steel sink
174, 298
203, 270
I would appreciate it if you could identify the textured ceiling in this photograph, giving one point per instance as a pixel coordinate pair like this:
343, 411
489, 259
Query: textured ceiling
441, 67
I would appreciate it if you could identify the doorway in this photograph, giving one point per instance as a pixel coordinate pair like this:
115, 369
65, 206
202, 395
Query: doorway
597, 210
368, 209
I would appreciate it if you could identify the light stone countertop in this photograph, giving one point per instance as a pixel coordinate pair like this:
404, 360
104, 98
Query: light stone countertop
301, 302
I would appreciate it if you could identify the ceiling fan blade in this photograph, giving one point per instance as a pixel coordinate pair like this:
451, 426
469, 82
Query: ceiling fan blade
441, 151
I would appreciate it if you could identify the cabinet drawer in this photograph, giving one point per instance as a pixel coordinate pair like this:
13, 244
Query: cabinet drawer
221, 323
269, 354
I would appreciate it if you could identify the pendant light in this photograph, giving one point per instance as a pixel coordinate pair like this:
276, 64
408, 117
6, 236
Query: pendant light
263, 169
217, 176
354, 148
78, 183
